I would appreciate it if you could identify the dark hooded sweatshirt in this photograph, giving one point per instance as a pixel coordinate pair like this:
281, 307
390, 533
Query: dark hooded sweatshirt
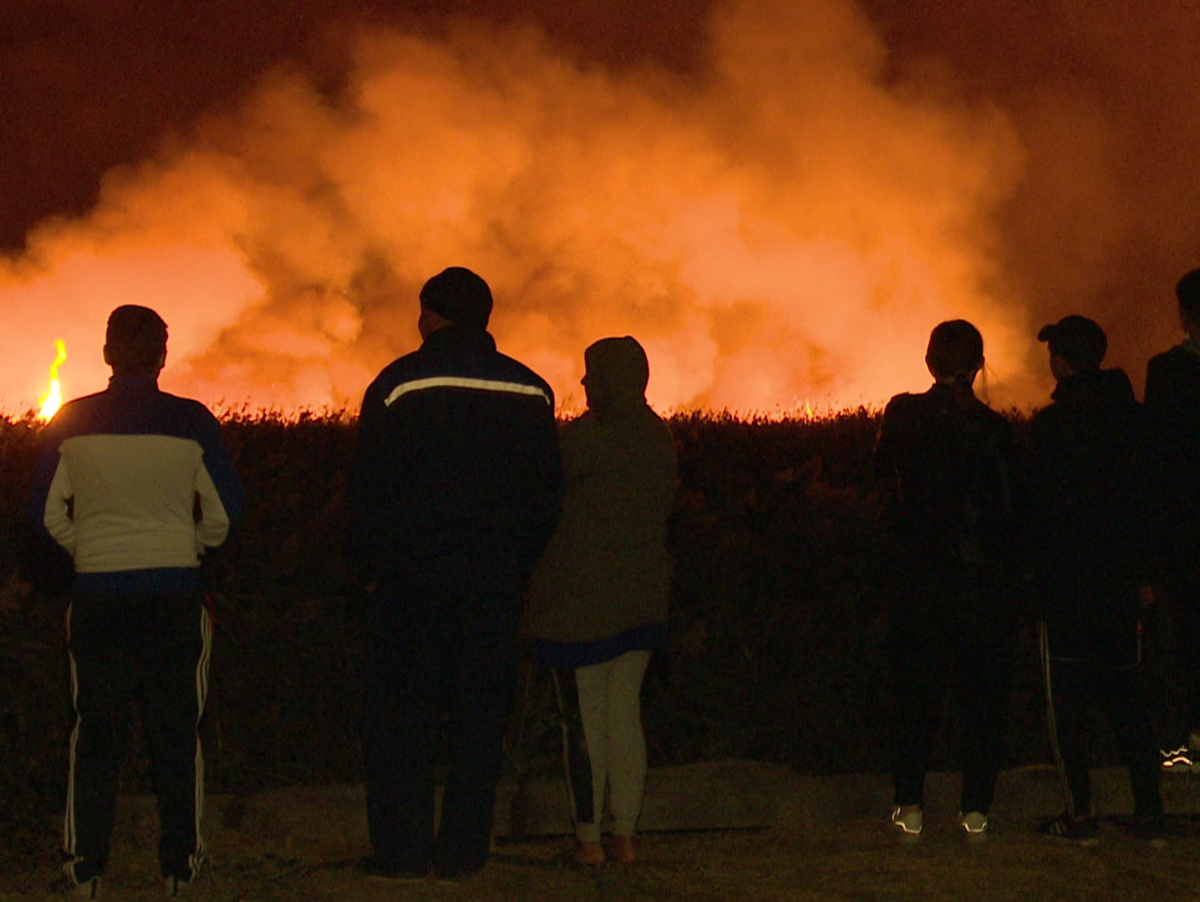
604, 579
1173, 417
1086, 513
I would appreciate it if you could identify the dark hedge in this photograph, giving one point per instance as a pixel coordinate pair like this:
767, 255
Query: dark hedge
778, 620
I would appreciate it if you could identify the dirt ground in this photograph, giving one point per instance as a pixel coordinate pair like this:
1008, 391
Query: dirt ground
860, 859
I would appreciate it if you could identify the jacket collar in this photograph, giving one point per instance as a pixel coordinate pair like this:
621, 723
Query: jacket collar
1095, 386
458, 338
131, 383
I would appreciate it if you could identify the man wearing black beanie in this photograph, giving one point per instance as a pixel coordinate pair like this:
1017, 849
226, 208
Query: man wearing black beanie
455, 490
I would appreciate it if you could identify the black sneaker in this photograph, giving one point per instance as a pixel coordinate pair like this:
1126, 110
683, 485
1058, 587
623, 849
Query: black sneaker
455, 874
1082, 831
375, 869
67, 886
460, 878
1150, 829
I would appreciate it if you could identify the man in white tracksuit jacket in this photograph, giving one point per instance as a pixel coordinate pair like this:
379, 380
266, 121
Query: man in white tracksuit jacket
120, 478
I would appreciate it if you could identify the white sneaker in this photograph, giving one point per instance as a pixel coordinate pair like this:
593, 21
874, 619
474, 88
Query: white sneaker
1176, 759
974, 822
909, 824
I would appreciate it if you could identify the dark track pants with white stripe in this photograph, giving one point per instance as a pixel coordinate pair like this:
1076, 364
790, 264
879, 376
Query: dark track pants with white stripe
1074, 688
430, 657
152, 648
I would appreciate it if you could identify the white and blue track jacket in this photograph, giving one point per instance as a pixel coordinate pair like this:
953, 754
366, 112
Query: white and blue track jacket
135, 483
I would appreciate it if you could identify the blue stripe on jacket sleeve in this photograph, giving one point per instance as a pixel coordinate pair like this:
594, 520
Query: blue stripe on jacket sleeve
220, 465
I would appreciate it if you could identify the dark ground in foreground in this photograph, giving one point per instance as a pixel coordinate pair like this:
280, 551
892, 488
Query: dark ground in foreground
859, 859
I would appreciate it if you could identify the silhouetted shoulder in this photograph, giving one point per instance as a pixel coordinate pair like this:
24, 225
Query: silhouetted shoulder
901, 402
1173, 374
520, 372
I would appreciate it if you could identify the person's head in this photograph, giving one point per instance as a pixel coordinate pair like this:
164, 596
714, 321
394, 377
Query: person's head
1187, 290
135, 343
955, 352
616, 374
1077, 345
455, 296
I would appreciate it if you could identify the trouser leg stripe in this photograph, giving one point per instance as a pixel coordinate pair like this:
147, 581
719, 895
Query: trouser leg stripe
1051, 721
197, 856
69, 836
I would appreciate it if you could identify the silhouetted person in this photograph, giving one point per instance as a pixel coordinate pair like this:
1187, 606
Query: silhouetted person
455, 491
1086, 512
946, 462
599, 596
1173, 416
135, 484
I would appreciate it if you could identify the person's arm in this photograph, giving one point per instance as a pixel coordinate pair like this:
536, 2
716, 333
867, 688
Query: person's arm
670, 471
1042, 477
885, 460
370, 471
51, 495
217, 486
546, 490
56, 510
1158, 387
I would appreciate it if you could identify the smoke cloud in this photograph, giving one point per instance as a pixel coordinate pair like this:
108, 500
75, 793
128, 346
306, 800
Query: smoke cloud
781, 224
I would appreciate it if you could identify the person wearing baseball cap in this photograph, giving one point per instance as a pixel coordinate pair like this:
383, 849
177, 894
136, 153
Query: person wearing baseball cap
1076, 340
1085, 520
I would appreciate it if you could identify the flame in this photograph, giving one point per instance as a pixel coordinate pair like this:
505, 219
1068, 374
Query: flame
52, 399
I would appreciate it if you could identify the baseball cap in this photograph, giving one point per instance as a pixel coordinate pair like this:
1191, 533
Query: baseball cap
1078, 340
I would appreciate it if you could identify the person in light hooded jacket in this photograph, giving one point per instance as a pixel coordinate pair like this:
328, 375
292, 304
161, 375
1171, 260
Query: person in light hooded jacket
599, 595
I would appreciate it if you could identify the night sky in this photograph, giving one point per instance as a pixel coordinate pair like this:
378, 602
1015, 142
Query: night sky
1072, 128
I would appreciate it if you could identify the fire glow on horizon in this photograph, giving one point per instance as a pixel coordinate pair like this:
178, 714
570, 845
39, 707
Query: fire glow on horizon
780, 234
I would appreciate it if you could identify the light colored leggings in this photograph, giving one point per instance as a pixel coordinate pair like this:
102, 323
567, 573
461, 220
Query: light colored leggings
604, 747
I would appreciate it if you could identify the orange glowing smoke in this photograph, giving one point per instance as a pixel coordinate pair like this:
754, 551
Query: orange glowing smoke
49, 403
781, 231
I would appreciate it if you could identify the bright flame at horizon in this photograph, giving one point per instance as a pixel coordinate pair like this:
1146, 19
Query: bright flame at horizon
782, 232
52, 400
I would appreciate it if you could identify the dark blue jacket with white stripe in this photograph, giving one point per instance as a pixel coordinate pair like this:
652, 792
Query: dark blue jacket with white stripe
120, 477
456, 478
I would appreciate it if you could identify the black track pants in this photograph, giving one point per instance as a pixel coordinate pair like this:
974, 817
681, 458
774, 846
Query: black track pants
152, 649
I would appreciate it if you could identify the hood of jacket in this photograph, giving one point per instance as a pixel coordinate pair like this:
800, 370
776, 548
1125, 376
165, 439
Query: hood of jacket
617, 372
